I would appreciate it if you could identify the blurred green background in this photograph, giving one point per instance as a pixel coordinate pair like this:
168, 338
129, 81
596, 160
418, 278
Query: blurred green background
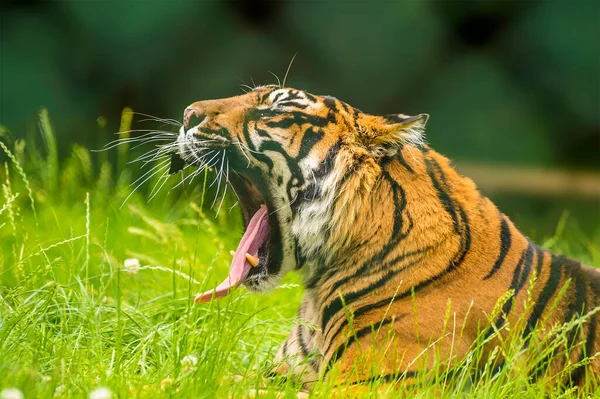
505, 82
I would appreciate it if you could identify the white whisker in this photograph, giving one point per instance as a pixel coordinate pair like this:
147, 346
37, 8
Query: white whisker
234, 205
191, 175
144, 140
150, 141
242, 150
148, 131
218, 179
226, 185
163, 163
278, 81
164, 177
283, 206
246, 147
150, 154
156, 118
165, 167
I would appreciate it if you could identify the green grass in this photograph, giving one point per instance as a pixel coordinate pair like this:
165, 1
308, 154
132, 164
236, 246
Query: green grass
73, 318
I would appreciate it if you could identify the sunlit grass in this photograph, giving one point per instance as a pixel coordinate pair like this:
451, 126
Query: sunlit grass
96, 296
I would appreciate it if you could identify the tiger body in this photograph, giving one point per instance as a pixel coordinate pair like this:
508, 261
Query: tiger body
398, 251
437, 261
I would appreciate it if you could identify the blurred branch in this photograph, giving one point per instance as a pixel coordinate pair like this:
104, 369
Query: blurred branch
523, 180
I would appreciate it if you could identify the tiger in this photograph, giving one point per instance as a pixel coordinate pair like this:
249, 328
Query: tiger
385, 233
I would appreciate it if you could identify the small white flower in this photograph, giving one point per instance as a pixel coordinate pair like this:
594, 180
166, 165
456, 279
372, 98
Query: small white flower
100, 393
11, 393
189, 360
132, 265
188, 363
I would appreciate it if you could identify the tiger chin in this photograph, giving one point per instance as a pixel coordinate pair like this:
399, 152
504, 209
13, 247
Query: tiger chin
390, 239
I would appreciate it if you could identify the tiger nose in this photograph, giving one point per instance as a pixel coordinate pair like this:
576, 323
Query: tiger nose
192, 117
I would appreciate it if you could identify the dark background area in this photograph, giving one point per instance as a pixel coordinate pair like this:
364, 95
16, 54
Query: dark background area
505, 82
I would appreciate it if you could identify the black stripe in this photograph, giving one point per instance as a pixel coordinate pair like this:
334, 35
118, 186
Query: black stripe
311, 97
545, 362
520, 277
330, 103
447, 203
255, 153
292, 118
267, 93
547, 292
346, 107
576, 309
313, 279
285, 347
263, 133
375, 328
310, 138
303, 348
387, 378
539, 253
293, 95
578, 375
527, 263
396, 118
329, 162
306, 352
314, 188
277, 96
270, 145
265, 159
300, 258
400, 158
292, 104
246, 132
505, 241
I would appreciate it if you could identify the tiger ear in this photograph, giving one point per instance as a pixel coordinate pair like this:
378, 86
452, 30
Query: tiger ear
395, 131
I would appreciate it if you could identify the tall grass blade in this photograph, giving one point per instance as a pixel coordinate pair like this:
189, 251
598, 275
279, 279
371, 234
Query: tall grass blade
49, 140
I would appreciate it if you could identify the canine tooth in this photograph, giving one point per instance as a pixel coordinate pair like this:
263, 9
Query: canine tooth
232, 253
253, 260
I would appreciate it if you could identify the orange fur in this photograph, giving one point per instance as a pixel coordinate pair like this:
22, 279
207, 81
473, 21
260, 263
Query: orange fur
408, 239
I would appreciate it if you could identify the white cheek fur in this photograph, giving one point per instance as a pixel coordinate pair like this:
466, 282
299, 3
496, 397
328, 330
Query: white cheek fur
313, 217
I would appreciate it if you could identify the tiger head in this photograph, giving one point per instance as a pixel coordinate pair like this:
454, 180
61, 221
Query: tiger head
286, 155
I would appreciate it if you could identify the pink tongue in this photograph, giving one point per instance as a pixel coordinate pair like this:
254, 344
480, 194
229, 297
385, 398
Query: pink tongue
255, 236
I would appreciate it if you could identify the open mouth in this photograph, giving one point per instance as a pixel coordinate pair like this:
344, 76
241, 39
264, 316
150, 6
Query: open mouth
252, 256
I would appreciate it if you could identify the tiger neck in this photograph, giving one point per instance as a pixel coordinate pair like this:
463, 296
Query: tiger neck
412, 211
